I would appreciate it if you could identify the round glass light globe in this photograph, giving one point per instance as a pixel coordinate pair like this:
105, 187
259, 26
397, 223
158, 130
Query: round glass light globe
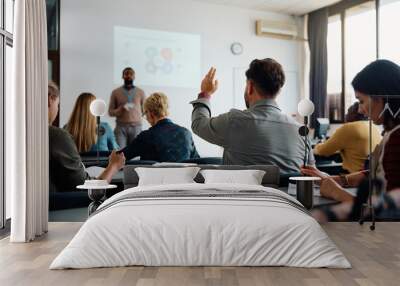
98, 107
305, 107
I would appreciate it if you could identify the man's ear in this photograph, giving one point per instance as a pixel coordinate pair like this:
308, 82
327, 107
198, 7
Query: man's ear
250, 87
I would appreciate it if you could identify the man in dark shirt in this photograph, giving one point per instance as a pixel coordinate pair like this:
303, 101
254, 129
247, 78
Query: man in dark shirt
66, 170
164, 141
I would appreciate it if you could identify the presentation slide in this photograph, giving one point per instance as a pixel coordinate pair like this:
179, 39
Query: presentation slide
159, 58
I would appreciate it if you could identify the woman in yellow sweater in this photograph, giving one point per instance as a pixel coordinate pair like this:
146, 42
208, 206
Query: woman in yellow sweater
351, 140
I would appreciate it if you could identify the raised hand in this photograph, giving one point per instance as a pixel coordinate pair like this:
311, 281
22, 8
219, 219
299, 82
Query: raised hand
209, 84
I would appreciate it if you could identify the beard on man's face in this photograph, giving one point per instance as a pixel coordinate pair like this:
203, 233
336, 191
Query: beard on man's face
128, 82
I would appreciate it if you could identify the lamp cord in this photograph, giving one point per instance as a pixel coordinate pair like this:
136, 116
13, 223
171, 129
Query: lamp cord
98, 136
305, 140
306, 148
369, 205
371, 186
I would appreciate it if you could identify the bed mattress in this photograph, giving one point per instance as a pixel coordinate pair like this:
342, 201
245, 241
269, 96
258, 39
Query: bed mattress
201, 225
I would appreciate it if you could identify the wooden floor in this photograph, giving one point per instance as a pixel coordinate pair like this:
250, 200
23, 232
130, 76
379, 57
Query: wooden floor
375, 257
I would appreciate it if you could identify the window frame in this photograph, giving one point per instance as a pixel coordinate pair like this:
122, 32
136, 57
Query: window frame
6, 39
53, 55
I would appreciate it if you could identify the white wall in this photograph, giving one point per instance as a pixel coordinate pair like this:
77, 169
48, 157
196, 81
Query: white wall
87, 50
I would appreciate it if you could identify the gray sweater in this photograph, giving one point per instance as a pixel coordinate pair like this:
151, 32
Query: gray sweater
261, 134
66, 168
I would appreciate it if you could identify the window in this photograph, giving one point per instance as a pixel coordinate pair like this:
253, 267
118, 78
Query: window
53, 24
389, 16
8, 85
9, 15
6, 42
2, 195
352, 44
334, 91
53, 44
360, 47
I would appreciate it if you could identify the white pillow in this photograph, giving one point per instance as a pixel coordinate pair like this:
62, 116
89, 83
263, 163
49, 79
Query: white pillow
248, 177
166, 176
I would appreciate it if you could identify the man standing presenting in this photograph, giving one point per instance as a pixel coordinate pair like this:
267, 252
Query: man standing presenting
126, 105
260, 134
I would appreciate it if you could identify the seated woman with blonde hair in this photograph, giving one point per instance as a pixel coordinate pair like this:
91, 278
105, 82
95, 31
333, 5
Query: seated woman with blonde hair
82, 126
164, 141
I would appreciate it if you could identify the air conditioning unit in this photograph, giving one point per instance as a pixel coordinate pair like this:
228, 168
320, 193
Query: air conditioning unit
282, 30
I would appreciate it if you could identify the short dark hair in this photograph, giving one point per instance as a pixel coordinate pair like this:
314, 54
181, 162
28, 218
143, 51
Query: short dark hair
267, 75
127, 69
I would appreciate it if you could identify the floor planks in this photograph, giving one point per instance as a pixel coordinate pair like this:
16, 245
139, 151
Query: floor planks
375, 257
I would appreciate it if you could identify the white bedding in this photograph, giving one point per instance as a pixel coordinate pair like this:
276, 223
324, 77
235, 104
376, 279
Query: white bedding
219, 231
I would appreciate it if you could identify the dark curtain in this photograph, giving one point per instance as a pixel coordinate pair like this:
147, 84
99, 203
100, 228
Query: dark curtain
317, 36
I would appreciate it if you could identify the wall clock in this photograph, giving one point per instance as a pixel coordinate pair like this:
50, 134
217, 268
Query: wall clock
236, 48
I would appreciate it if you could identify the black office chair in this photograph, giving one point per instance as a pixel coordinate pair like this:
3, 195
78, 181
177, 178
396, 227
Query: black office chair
140, 162
68, 200
94, 154
204, 161
90, 158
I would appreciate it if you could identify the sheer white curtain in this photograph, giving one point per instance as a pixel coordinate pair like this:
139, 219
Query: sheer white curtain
27, 124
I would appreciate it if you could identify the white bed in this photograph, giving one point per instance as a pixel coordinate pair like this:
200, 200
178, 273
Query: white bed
246, 225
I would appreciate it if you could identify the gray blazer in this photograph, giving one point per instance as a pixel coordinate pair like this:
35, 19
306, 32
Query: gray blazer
259, 135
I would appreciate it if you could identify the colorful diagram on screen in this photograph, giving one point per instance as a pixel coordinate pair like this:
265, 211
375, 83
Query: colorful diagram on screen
159, 58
